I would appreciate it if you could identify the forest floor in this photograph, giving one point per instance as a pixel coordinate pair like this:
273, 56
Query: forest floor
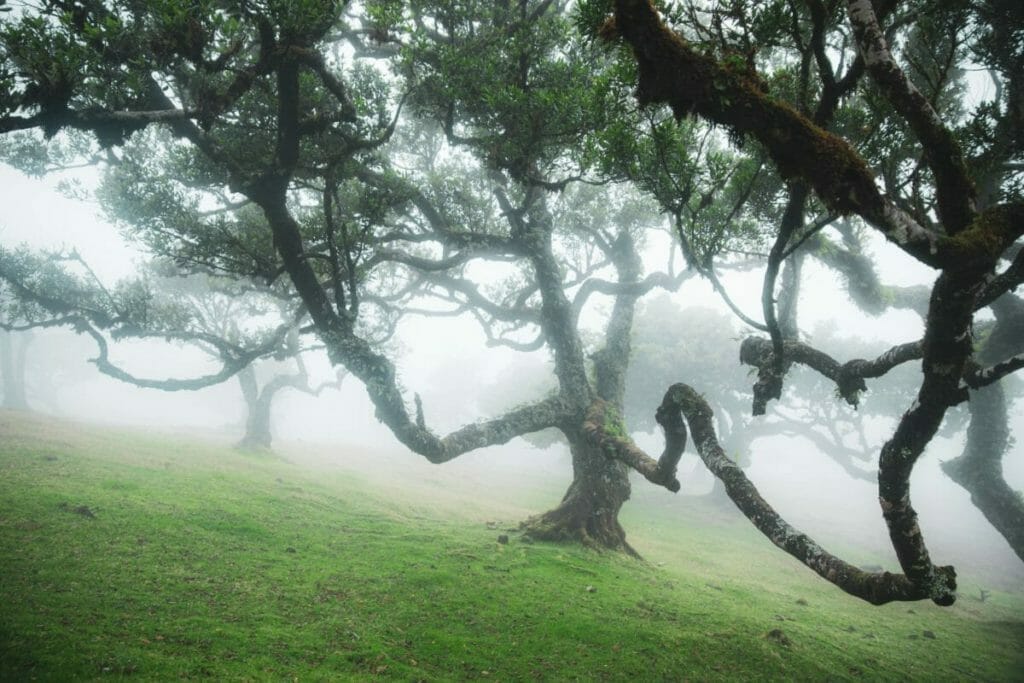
127, 554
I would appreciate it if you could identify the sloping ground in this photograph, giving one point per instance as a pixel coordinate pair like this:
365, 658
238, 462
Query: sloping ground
131, 555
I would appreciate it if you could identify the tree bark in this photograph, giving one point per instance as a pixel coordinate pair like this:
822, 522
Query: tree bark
589, 511
600, 446
12, 364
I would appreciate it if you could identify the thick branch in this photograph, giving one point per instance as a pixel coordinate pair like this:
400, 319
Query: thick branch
95, 120
691, 82
876, 588
977, 378
602, 426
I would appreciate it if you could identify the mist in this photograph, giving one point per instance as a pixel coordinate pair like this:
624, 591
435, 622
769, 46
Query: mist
459, 379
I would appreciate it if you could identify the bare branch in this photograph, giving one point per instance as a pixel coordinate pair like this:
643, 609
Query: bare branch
849, 377
876, 588
977, 378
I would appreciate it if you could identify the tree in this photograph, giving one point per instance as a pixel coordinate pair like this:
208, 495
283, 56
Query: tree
13, 349
60, 290
259, 400
460, 136
965, 245
278, 167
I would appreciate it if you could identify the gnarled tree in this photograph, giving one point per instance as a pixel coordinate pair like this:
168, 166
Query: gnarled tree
964, 244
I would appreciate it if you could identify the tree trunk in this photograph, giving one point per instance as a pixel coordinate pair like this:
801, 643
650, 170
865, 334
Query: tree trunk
12, 364
257, 408
589, 512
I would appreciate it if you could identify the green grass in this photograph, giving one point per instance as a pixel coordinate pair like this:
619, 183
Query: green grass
202, 562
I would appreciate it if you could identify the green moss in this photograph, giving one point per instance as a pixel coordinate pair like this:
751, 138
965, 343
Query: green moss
984, 241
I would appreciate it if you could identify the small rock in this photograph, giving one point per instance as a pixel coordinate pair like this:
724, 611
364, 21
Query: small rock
801, 601
290, 549
850, 629
777, 636
928, 634
591, 589
503, 539
910, 611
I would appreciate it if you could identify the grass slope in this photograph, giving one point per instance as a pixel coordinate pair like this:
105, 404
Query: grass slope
131, 555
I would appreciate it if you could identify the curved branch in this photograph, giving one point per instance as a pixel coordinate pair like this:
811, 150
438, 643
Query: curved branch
231, 365
672, 72
535, 417
639, 288
849, 377
876, 588
602, 427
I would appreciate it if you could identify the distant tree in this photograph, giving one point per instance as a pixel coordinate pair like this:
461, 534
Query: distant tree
259, 397
224, 310
13, 349
41, 291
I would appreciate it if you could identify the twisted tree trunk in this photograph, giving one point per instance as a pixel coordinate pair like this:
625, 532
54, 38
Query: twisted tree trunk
979, 469
589, 511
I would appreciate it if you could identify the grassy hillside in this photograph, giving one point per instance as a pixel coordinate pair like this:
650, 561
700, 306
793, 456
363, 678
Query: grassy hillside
124, 554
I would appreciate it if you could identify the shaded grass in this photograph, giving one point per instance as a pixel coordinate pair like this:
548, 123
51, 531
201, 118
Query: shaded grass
203, 562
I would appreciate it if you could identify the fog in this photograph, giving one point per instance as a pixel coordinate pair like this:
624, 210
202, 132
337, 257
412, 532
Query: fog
460, 380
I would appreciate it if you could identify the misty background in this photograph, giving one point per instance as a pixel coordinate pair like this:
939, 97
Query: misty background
447, 362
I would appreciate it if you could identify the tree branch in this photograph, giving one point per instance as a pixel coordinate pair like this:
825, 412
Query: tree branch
849, 377
954, 190
876, 588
